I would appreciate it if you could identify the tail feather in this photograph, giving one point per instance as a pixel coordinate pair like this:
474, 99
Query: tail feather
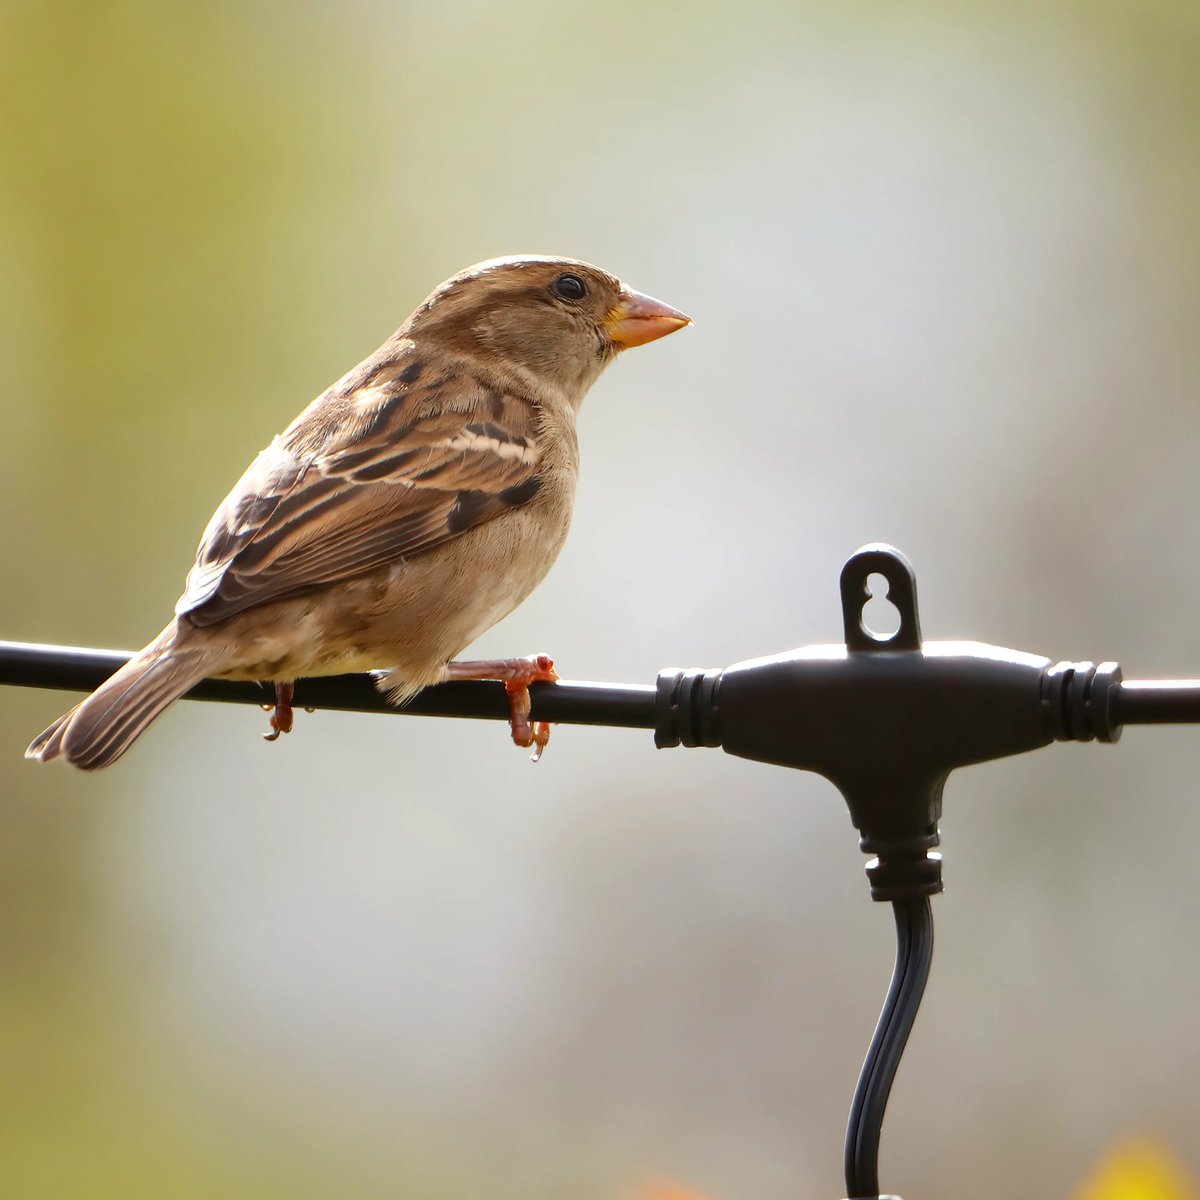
48, 744
99, 730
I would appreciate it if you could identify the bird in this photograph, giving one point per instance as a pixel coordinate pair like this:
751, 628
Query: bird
405, 511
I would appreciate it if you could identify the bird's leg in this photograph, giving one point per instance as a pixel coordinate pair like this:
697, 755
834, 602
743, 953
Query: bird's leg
281, 713
516, 674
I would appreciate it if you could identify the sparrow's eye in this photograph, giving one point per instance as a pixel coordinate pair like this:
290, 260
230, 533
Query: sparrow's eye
570, 287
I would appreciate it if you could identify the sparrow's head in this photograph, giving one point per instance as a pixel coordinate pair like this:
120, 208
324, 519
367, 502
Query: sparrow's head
560, 318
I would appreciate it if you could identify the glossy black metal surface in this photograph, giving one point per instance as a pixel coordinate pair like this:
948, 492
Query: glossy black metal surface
70, 668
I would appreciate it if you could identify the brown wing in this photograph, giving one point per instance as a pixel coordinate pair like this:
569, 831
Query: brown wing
365, 477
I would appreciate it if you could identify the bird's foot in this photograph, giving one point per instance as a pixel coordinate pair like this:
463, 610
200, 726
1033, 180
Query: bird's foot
516, 674
281, 712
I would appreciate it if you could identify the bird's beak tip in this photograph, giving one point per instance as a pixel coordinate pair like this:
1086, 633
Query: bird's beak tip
637, 319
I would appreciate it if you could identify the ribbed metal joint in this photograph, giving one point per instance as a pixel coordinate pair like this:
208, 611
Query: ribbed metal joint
1079, 700
686, 711
903, 868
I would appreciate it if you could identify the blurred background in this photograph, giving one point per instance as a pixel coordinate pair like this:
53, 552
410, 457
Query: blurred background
945, 266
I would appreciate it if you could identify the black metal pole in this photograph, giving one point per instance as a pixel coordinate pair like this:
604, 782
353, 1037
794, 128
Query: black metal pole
629, 705
70, 668
1157, 702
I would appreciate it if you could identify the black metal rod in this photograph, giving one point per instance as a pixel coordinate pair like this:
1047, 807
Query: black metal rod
1158, 702
73, 669
914, 954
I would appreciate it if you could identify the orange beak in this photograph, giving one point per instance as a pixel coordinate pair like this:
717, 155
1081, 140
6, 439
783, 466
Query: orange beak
636, 319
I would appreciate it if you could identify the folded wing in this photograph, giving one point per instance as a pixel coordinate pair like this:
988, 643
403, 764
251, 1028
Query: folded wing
366, 477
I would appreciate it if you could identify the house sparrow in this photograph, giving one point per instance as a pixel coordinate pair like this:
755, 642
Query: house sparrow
405, 511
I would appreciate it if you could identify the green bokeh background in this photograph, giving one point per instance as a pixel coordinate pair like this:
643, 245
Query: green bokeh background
945, 265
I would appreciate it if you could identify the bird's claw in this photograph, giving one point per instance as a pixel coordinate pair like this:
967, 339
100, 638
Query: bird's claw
516, 674
282, 713
541, 739
526, 733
